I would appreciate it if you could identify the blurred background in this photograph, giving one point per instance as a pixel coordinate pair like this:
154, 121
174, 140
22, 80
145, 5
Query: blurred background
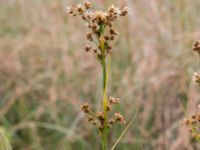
45, 75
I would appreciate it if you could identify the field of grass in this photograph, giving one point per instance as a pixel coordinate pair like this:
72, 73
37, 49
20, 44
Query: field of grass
45, 75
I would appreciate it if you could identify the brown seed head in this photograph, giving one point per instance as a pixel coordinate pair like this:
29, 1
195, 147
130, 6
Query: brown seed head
88, 48
193, 116
95, 51
186, 122
100, 115
80, 8
90, 118
85, 108
125, 11
196, 78
113, 100
112, 37
87, 4
70, 10
196, 46
109, 107
106, 37
89, 36
111, 121
113, 32
119, 118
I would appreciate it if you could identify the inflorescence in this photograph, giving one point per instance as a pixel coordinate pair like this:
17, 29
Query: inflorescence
193, 122
100, 24
97, 119
196, 48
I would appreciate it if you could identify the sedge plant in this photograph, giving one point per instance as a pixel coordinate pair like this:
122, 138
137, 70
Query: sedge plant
193, 122
101, 34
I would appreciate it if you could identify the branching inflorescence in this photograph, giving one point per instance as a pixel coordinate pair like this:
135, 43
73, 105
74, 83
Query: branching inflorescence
101, 35
193, 122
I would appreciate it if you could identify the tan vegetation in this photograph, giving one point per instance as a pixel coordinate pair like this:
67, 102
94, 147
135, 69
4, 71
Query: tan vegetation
45, 75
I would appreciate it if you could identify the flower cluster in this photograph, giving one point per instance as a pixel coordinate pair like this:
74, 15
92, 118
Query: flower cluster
101, 26
196, 76
98, 118
193, 124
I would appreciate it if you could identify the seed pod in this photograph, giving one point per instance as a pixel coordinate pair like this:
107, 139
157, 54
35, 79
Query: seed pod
100, 115
124, 12
113, 100
80, 9
119, 118
88, 48
89, 37
85, 108
87, 4
111, 121
113, 32
196, 46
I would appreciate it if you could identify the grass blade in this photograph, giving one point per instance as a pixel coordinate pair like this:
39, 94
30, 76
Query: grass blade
124, 131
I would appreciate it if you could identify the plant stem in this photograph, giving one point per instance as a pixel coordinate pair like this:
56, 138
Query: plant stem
105, 78
104, 71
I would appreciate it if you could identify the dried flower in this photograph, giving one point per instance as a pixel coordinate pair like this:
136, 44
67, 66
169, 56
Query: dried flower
109, 107
125, 11
113, 100
88, 48
90, 118
113, 32
100, 115
79, 8
89, 36
111, 121
87, 4
193, 124
70, 10
85, 108
119, 118
196, 78
196, 46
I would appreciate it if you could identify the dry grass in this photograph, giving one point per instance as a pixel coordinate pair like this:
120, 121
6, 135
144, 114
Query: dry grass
43, 74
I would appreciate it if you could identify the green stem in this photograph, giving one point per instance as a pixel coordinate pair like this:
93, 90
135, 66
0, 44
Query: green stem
104, 71
104, 136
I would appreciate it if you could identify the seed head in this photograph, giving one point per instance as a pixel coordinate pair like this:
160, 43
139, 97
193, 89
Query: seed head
95, 51
113, 100
88, 48
100, 115
196, 78
100, 23
113, 32
89, 36
125, 11
70, 10
87, 4
85, 108
119, 118
90, 118
193, 124
196, 46
80, 8
109, 107
111, 121
106, 37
